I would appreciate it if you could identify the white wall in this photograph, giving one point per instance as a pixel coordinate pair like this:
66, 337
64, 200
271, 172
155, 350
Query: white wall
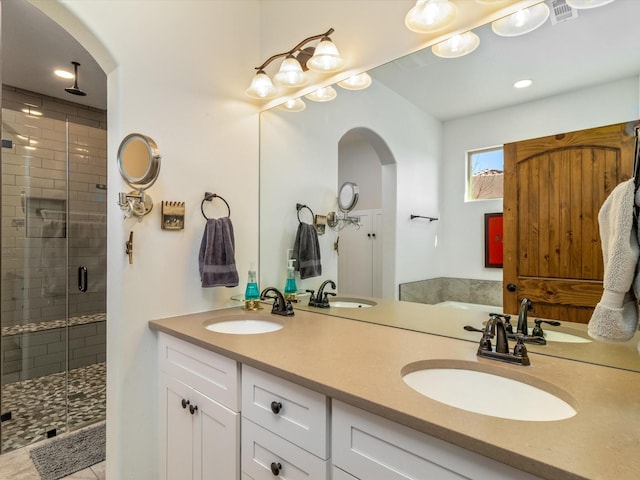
178, 67
358, 162
462, 223
297, 170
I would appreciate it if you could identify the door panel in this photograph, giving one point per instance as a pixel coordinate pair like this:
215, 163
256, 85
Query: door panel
554, 188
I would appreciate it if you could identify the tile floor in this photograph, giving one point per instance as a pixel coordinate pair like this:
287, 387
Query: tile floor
38, 405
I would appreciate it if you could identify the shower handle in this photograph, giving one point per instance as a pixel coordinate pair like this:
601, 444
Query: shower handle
83, 278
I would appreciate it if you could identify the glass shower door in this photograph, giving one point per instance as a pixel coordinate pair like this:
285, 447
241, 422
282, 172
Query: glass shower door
53, 241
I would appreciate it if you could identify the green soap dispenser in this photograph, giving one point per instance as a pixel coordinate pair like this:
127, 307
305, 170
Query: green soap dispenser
290, 287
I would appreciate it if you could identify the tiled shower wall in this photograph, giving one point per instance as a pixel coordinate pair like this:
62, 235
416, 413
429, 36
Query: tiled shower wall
35, 234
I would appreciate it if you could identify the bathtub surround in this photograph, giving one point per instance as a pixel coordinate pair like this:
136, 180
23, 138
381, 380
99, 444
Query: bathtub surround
467, 290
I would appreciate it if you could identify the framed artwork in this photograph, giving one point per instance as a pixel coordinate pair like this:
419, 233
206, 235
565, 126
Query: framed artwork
493, 240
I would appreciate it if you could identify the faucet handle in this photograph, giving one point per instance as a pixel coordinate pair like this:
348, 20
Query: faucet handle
520, 350
325, 298
487, 335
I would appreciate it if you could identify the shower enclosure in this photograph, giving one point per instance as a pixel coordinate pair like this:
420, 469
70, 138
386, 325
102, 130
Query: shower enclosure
52, 267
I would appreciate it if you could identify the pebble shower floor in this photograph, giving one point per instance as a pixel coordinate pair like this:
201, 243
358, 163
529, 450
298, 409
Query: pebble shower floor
38, 405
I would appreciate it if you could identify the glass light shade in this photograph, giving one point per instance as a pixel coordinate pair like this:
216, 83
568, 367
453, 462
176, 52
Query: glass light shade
325, 94
356, 82
290, 73
326, 57
430, 15
261, 86
293, 105
456, 46
584, 4
522, 21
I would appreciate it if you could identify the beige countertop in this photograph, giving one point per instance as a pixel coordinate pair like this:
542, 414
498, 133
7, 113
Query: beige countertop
361, 363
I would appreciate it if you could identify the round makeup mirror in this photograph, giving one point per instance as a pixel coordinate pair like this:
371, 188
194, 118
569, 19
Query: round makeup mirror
139, 161
139, 165
348, 196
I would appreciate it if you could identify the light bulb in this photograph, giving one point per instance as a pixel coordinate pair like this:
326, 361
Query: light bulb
356, 82
324, 94
457, 45
522, 21
290, 73
261, 86
430, 15
293, 105
326, 57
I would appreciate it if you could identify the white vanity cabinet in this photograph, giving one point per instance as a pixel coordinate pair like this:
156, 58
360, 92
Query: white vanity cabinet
284, 429
370, 447
199, 404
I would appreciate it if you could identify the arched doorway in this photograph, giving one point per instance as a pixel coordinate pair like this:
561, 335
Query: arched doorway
366, 261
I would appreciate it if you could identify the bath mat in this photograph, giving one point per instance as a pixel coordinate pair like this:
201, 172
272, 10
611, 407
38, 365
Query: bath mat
69, 454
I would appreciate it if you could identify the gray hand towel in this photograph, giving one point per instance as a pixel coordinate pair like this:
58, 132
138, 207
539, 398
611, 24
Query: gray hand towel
306, 250
217, 254
615, 318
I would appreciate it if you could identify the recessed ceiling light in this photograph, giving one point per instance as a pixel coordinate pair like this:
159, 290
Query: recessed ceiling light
63, 74
522, 83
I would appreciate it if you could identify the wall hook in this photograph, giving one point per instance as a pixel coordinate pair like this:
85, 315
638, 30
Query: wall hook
129, 248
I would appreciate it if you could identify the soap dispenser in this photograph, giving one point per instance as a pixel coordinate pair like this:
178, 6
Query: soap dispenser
290, 287
252, 293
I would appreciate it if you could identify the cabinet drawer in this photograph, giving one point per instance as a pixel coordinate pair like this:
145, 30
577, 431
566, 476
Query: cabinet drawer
262, 450
214, 375
340, 474
302, 417
375, 448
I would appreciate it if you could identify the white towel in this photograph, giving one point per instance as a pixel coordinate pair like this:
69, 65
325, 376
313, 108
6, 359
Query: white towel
615, 318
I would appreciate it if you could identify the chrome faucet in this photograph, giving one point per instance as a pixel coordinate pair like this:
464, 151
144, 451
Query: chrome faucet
321, 300
280, 305
495, 328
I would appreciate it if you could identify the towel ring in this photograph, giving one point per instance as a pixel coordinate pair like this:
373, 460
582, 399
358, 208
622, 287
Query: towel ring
208, 196
299, 207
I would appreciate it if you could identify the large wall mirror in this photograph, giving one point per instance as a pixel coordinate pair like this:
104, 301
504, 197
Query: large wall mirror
426, 113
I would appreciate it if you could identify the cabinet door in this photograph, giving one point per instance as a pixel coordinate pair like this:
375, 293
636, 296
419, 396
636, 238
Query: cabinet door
176, 431
200, 441
216, 442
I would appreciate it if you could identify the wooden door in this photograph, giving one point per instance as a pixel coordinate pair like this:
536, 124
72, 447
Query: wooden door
554, 188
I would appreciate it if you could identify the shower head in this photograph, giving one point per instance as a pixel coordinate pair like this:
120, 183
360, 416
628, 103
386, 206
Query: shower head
74, 88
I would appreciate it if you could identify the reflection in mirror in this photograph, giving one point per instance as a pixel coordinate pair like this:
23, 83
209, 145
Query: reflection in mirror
428, 112
139, 165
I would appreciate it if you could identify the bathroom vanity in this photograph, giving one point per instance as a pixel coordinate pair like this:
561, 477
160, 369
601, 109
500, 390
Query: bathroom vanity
324, 397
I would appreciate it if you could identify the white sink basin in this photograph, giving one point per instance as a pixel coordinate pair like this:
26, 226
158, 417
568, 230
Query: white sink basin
244, 326
485, 393
555, 336
340, 302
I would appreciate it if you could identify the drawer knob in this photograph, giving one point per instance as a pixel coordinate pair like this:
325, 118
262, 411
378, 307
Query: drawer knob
185, 403
275, 468
193, 409
276, 407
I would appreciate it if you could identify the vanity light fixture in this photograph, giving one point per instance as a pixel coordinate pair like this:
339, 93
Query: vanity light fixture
430, 15
322, 58
457, 45
324, 94
585, 4
356, 82
521, 22
293, 105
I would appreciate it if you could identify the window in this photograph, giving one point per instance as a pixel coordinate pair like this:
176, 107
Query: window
485, 173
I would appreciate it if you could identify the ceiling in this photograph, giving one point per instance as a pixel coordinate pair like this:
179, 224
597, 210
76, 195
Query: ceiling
598, 46
33, 46
558, 58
